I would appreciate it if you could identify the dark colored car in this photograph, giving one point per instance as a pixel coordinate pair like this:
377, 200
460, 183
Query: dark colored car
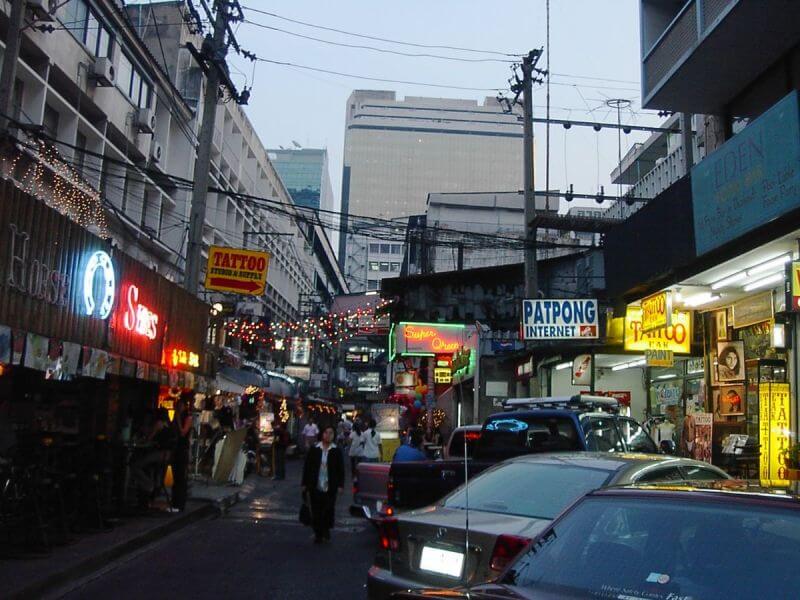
721, 540
509, 505
536, 425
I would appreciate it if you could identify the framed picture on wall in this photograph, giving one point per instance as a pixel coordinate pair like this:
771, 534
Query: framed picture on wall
730, 361
729, 401
721, 317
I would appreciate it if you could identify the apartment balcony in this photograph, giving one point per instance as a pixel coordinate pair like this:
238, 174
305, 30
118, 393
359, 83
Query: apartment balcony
699, 55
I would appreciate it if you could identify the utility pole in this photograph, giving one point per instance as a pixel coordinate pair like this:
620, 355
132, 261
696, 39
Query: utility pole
9, 73
525, 86
213, 50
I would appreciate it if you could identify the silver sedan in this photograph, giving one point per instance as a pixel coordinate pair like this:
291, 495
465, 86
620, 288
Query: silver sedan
506, 507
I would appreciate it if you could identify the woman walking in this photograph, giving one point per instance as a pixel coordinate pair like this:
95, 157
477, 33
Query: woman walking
356, 448
323, 477
372, 443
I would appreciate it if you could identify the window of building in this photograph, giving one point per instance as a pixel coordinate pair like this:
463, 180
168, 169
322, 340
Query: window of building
131, 81
85, 26
375, 248
385, 267
395, 267
50, 121
372, 284
386, 248
397, 249
374, 266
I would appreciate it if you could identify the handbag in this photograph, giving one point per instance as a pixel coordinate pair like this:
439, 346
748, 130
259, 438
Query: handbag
305, 511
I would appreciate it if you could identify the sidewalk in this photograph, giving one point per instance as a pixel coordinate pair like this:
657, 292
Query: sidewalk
33, 577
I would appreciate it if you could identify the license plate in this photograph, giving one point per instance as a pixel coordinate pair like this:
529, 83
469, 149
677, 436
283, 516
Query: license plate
444, 562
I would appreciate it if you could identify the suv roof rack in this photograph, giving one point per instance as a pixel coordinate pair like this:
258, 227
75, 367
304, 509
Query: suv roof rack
579, 402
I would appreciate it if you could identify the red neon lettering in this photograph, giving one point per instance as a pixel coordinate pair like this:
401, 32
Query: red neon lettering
137, 317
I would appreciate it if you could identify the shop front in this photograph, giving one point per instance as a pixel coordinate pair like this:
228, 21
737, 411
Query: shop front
736, 266
434, 366
89, 341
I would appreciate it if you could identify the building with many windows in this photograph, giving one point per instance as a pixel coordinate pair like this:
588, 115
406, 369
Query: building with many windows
398, 151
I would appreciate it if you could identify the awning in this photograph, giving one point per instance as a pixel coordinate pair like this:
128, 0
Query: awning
235, 381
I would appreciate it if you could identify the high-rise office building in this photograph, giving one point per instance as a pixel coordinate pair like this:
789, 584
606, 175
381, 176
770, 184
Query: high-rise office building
304, 172
396, 152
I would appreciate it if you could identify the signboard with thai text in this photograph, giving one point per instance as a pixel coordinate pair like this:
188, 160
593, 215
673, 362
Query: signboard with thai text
775, 433
676, 338
657, 311
560, 319
236, 270
752, 179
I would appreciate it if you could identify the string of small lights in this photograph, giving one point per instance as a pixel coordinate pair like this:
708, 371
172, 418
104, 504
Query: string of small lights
332, 327
51, 179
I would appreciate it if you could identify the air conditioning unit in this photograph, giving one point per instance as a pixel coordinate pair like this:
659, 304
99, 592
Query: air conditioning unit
156, 152
146, 120
102, 72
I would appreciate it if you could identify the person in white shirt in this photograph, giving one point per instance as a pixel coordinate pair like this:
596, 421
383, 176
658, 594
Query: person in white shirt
372, 443
310, 434
323, 479
356, 447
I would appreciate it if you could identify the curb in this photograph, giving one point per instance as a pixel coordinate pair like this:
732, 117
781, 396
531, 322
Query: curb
91, 564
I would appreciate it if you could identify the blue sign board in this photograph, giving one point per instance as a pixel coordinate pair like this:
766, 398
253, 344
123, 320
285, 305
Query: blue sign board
751, 180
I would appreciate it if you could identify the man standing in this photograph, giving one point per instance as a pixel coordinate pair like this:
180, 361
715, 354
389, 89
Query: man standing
310, 434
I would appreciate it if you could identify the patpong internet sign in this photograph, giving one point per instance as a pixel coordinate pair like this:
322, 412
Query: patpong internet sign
236, 270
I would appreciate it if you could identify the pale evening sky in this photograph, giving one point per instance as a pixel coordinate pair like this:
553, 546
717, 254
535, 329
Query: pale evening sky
589, 38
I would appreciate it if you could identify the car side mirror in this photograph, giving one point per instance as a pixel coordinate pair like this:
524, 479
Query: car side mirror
668, 447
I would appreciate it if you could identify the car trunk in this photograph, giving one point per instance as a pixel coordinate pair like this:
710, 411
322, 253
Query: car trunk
443, 529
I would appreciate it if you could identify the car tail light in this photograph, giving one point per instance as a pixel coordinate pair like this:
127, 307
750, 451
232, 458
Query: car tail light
389, 534
506, 549
390, 489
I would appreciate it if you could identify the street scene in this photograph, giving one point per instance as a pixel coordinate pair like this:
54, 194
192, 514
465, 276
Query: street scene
400, 301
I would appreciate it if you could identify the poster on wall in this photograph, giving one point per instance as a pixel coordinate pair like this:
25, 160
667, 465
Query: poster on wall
730, 361
300, 351
728, 401
36, 348
721, 319
703, 429
582, 370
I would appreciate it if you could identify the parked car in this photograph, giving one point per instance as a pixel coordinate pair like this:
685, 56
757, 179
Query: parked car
532, 425
509, 505
370, 485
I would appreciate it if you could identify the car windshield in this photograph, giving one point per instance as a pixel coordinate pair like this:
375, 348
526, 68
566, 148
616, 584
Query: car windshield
529, 490
504, 436
612, 547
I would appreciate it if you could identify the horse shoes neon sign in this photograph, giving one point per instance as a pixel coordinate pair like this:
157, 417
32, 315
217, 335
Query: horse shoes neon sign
101, 261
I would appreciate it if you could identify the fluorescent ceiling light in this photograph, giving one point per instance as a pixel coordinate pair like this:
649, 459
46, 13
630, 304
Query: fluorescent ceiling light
769, 265
759, 283
562, 366
620, 366
639, 362
666, 376
701, 299
729, 280
628, 365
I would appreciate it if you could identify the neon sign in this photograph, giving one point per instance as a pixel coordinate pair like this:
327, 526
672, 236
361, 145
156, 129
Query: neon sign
137, 317
424, 338
184, 358
99, 261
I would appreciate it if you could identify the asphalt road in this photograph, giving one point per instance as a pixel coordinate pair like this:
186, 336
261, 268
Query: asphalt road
257, 550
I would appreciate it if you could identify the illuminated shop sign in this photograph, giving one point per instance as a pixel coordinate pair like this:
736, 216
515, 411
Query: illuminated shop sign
676, 338
428, 338
98, 297
560, 319
775, 430
657, 311
137, 317
178, 357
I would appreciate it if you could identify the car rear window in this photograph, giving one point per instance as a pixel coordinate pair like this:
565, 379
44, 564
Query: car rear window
528, 489
663, 549
504, 436
456, 447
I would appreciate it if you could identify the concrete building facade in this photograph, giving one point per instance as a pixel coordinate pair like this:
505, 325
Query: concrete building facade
398, 151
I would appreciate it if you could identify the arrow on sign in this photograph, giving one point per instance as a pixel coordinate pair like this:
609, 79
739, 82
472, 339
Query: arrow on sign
247, 286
